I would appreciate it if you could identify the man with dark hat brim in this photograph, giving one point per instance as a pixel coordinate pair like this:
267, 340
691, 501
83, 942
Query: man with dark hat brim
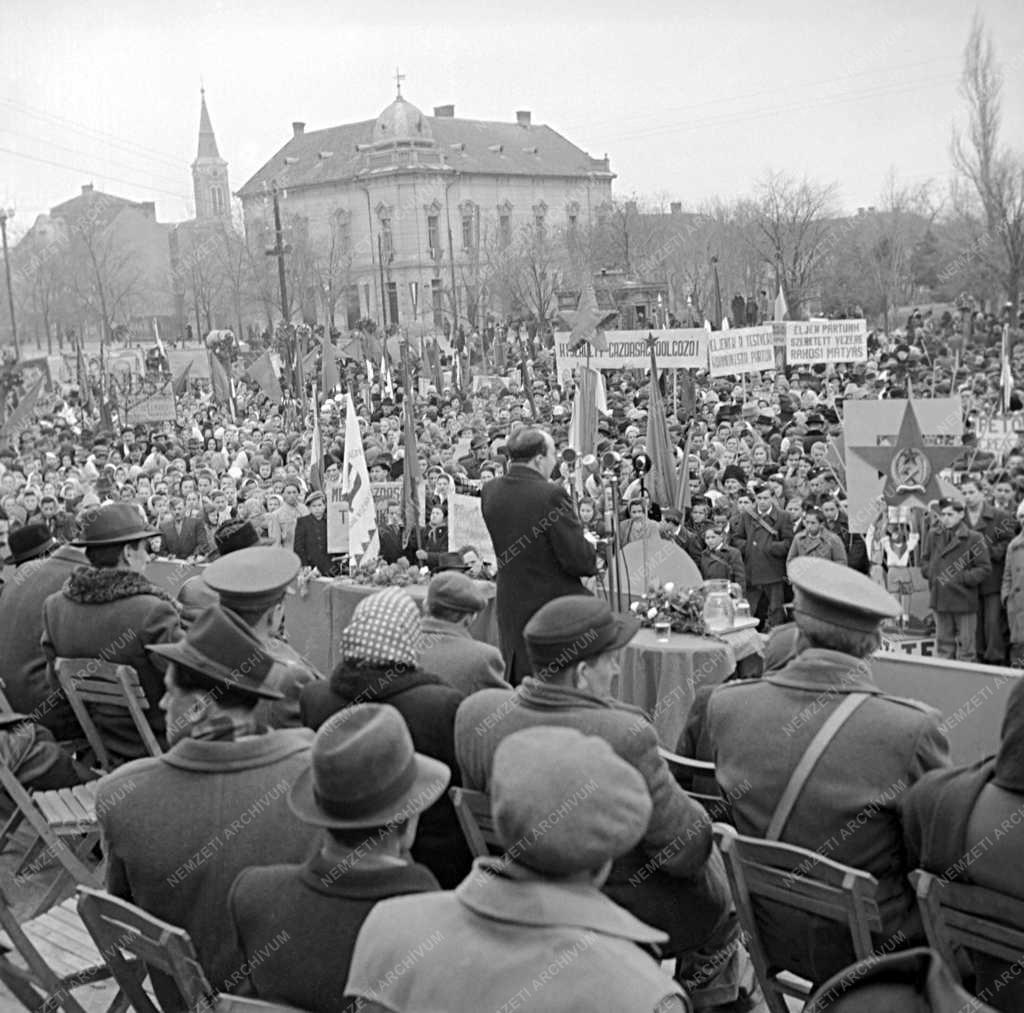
253, 584
543, 897
110, 610
219, 792
880, 746
364, 791
574, 644
33, 541
448, 649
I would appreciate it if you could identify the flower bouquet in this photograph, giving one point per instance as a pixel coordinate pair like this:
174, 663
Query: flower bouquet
378, 573
681, 608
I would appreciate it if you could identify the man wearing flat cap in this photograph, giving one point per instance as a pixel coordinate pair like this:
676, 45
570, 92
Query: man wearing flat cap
252, 583
110, 610
310, 540
448, 649
364, 793
179, 828
493, 939
824, 757
574, 645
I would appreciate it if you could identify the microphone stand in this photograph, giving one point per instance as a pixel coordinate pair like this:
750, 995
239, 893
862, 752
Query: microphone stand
613, 503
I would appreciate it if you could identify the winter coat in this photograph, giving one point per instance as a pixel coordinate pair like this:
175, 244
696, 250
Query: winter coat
997, 529
823, 545
955, 564
764, 544
1013, 588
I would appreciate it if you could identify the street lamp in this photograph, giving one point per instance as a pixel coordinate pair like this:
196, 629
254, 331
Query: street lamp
6, 213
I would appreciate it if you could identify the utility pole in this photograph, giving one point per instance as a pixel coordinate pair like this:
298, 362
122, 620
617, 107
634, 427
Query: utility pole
6, 213
718, 294
279, 250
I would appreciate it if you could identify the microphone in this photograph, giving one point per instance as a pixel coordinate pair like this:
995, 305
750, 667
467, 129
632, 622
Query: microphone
611, 459
569, 456
589, 461
641, 464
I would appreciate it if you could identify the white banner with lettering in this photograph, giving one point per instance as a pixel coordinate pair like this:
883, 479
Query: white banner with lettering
744, 350
675, 349
825, 341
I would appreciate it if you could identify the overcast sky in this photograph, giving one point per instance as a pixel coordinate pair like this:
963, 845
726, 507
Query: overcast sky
688, 100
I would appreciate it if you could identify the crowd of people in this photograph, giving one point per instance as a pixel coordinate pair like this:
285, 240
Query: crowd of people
319, 833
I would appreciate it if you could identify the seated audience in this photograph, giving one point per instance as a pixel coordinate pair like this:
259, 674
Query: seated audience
492, 941
365, 790
380, 654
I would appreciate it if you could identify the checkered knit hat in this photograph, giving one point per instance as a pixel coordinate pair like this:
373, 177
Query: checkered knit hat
385, 630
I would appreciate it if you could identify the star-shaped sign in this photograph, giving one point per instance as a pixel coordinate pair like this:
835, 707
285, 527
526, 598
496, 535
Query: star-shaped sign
911, 468
587, 322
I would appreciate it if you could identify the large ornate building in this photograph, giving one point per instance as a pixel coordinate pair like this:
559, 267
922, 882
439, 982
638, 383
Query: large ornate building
398, 212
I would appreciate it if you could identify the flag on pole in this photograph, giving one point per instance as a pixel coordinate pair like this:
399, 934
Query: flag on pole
24, 414
684, 496
179, 385
263, 372
369, 372
316, 451
663, 485
363, 540
159, 342
330, 378
781, 309
411, 479
1006, 374
583, 425
457, 371
524, 368
219, 382
387, 381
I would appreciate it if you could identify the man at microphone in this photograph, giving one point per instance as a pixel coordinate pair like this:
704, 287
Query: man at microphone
538, 541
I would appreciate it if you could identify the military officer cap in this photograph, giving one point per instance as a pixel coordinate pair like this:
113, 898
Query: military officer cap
837, 595
254, 578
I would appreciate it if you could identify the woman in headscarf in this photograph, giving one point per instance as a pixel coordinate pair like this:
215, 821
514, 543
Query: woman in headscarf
380, 649
966, 824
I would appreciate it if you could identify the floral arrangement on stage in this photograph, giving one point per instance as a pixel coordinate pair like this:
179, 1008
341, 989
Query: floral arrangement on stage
681, 608
378, 573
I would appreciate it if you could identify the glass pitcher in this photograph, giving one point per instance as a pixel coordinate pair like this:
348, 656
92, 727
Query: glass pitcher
719, 611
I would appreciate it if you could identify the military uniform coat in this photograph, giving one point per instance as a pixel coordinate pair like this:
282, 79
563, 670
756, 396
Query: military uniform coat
955, 565
848, 809
541, 553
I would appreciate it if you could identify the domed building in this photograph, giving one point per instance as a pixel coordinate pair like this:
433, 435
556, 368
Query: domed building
398, 213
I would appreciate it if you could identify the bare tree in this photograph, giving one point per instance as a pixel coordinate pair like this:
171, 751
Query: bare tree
995, 173
330, 265
792, 219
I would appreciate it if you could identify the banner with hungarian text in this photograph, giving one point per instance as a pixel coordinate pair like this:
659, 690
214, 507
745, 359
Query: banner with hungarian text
824, 341
744, 350
675, 349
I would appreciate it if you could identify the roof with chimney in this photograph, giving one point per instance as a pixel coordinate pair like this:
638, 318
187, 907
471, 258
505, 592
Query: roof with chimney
207, 141
96, 206
403, 138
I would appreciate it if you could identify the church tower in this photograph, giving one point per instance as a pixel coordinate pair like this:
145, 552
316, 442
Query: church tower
210, 173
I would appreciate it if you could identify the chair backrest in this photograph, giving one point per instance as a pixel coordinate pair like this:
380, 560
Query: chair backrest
122, 931
93, 681
473, 809
697, 779
5, 704
960, 914
799, 879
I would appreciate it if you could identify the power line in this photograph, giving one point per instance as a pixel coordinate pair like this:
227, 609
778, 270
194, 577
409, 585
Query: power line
90, 172
76, 151
140, 149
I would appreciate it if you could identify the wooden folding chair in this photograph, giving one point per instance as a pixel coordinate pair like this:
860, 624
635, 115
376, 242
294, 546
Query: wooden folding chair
44, 959
973, 917
64, 826
473, 809
697, 779
135, 943
804, 881
92, 681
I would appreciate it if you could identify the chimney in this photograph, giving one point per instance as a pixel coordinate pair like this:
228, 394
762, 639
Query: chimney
148, 208
444, 112
86, 188
676, 207
523, 117
298, 128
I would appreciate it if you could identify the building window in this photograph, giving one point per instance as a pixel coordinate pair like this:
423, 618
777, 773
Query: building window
352, 310
467, 233
392, 292
217, 200
433, 236
504, 229
343, 233
387, 242
437, 301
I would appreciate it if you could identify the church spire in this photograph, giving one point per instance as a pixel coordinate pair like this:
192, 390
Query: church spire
207, 141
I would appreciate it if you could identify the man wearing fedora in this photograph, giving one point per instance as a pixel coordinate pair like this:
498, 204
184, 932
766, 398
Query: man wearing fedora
364, 791
529, 930
448, 649
179, 828
109, 610
252, 583
574, 645
42, 566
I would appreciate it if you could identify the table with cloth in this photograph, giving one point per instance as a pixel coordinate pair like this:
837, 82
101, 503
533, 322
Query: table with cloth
662, 677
